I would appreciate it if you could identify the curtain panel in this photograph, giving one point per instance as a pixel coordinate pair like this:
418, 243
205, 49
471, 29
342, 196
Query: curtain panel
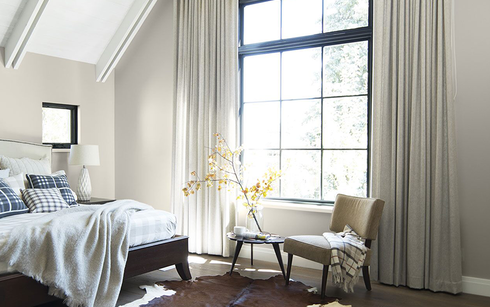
413, 164
206, 102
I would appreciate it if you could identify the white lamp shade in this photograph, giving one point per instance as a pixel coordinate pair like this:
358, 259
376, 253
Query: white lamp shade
84, 155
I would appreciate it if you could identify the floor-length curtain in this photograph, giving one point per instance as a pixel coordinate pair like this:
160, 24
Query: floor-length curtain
205, 103
413, 145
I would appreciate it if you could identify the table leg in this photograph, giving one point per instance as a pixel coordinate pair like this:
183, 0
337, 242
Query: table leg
237, 252
252, 254
279, 258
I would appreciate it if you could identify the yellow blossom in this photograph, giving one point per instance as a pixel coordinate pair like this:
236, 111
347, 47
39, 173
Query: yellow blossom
226, 169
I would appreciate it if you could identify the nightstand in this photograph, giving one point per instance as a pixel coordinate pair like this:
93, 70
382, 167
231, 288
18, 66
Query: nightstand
95, 201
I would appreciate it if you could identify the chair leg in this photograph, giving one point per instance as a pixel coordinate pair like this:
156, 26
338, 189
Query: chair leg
324, 280
365, 275
290, 264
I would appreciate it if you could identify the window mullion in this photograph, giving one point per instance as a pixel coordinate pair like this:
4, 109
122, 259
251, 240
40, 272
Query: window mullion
321, 126
280, 20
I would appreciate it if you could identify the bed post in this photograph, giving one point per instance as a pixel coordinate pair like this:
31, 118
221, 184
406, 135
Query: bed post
153, 256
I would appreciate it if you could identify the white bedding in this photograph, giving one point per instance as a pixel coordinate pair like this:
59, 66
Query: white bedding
146, 226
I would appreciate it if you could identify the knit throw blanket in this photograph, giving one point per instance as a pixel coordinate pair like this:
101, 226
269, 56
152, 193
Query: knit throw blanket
347, 258
79, 253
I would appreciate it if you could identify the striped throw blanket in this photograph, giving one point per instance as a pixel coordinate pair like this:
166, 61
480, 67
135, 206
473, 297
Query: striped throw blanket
347, 258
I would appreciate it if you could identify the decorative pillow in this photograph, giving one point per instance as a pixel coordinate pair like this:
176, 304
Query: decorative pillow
62, 172
44, 200
10, 202
4, 173
28, 184
25, 165
47, 182
16, 183
74, 196
57, 173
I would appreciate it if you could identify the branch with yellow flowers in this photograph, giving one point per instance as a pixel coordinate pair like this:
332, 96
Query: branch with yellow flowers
227, 171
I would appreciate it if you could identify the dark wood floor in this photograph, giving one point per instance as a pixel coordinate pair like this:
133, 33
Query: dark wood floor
380, 296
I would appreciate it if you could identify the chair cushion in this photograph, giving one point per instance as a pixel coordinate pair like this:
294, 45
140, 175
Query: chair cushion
314, 248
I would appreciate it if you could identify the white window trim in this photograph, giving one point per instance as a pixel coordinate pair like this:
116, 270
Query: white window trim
297, 206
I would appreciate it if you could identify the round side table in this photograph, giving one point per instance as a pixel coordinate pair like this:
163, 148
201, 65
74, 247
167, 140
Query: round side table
274, 240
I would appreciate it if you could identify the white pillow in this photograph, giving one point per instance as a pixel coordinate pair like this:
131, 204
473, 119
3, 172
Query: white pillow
4, 173
60, 172
16, 183
25, 165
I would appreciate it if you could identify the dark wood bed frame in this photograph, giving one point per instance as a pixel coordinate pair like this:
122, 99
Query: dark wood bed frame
17, 290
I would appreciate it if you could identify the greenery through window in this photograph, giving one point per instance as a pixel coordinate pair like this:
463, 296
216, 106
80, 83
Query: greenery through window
305, 79
60, 124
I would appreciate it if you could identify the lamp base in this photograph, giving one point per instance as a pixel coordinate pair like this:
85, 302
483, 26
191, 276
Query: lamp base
84, 191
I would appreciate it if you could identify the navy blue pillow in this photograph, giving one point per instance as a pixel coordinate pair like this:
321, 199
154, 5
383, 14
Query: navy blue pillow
10, 202
48, 182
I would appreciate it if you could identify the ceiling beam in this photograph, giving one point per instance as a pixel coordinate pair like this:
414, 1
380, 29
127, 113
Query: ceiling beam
122, 38
16, 46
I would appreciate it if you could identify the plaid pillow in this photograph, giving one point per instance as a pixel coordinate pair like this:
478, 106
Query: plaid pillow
48, 182
44, 200
10, 202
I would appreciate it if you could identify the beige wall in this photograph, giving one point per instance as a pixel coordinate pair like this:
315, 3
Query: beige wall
47, 79
473, 128
144, 112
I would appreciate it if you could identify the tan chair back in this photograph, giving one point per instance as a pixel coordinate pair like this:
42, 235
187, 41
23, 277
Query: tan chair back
362, 214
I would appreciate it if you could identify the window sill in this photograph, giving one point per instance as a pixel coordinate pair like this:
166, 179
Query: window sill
61, 150
297, 207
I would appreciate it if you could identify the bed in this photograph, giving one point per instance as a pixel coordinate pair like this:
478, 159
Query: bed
142, 258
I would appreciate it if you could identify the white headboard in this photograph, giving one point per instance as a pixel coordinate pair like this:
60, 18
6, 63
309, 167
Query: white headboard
19, 149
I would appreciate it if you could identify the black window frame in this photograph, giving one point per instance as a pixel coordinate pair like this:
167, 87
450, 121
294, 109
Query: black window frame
311, 41
73, 120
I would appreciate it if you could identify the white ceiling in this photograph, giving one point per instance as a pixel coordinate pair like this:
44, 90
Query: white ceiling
9, 13
79, 30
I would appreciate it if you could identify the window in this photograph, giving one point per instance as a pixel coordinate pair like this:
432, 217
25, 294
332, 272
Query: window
305, 68
60, 124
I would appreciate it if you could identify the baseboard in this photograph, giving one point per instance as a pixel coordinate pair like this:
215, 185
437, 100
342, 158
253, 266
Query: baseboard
477, 286
471, 285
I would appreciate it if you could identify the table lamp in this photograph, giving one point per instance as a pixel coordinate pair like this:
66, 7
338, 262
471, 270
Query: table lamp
84, 155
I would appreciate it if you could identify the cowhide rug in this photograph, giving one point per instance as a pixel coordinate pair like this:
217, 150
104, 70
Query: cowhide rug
237, 290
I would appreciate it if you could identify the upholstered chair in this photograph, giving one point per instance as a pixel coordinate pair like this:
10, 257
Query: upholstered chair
362, 214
